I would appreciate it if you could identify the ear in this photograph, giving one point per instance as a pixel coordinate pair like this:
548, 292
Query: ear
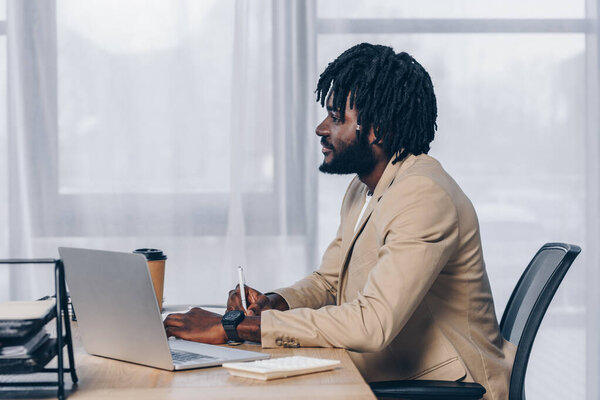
373, 139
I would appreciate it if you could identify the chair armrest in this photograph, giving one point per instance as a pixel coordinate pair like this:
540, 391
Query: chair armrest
428, 390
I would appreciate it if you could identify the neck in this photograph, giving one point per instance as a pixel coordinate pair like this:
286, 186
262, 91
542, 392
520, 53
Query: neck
372, 178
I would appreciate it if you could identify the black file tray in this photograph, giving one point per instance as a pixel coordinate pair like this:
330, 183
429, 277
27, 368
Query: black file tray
36, 362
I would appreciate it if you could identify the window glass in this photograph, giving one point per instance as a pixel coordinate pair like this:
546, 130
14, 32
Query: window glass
4, 239
450, 9
137, 92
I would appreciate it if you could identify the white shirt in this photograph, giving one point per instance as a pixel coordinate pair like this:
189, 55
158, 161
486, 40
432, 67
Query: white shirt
368, 197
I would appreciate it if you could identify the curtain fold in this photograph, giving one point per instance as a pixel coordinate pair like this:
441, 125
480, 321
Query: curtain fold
235, 249
31, 36
294, 47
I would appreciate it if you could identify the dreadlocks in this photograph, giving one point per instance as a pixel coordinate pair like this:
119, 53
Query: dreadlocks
392, 93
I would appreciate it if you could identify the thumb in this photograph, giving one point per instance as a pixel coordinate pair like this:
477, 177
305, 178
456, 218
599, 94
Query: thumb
253, 309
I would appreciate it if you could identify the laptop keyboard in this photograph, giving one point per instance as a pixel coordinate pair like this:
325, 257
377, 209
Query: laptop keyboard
180, 356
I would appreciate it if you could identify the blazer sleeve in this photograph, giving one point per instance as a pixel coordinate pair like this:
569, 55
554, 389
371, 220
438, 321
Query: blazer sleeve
319, 288
417, 223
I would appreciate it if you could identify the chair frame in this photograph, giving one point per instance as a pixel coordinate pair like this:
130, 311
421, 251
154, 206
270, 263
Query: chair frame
538, 311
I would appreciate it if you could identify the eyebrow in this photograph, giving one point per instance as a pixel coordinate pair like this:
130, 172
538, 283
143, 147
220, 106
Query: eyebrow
329, 108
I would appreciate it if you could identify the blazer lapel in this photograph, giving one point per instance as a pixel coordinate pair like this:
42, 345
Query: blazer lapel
349, 236
352, 215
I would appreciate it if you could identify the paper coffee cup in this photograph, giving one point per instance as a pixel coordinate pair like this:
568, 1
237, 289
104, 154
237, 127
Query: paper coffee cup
156, 265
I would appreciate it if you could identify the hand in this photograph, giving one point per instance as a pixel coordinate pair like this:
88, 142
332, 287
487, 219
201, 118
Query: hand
257, 302
198, 325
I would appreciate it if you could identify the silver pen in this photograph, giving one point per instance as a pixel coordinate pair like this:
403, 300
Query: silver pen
242, 287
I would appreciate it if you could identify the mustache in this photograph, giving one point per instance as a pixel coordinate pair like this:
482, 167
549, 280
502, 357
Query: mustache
325, 144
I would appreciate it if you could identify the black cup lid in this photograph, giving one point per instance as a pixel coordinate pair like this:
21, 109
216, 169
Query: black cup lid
152, 254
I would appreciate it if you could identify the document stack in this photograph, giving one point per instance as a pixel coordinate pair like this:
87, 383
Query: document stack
24, 339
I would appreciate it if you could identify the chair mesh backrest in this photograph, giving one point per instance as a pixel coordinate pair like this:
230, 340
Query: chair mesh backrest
529, 301
528, 290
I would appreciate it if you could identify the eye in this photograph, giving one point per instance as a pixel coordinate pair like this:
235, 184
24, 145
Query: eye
335, 118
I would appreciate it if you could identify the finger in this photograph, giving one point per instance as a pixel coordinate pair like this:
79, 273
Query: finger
254, 309
252, 294
174, 323
174, 331
234, 302
174, 320
262, 301
235, 293
175, 316
257, 307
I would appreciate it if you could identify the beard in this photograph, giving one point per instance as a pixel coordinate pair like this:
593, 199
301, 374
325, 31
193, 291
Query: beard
355, 158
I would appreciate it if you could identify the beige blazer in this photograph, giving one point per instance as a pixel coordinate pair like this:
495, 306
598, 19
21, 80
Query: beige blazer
407, 294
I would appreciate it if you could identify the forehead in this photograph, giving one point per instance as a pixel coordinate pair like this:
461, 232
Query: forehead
329, 103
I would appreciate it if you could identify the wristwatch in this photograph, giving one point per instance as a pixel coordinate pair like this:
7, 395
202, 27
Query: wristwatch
230, 322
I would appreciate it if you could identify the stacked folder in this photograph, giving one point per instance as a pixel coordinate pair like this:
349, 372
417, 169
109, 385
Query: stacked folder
24, 340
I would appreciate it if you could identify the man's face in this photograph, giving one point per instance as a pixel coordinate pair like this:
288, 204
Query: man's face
345, 152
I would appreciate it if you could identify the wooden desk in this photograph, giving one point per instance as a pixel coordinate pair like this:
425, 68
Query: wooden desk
102, 378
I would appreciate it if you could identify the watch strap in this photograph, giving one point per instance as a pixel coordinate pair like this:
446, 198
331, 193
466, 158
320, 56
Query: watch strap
230, 322
231, 332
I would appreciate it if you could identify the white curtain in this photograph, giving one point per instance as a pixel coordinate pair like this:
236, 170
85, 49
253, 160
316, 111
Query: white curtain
176, 125
31, 110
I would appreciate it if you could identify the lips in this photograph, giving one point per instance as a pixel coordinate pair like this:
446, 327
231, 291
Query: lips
327, 148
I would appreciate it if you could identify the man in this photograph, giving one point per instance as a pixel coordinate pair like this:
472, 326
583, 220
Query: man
403, 285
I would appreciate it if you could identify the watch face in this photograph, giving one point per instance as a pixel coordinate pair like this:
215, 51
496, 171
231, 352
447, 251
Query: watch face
233, 316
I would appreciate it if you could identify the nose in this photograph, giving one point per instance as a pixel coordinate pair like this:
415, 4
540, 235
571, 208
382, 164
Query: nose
322, 129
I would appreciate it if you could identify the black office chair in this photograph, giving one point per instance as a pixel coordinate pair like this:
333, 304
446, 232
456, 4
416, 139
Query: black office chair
519, 325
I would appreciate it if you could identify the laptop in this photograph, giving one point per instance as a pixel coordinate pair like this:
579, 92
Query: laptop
118, 315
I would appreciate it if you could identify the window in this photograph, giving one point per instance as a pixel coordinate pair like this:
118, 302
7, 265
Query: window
157, 125
172, 109
510, 80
